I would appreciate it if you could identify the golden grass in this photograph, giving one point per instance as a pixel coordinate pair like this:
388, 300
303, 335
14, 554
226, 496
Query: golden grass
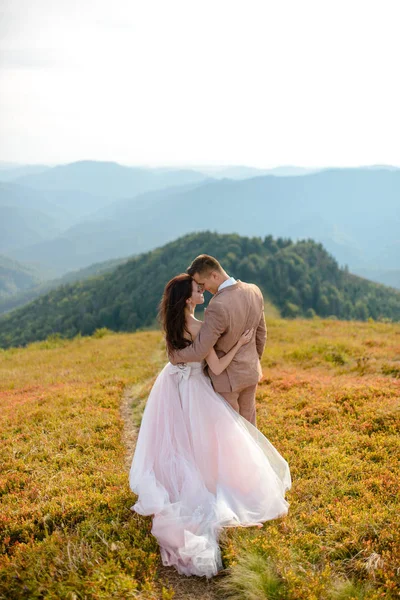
67, 530
330, 408
329, 402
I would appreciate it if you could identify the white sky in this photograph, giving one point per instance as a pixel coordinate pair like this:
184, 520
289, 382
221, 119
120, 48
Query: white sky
253, 82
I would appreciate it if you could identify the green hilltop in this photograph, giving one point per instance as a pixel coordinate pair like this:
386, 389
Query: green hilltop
299, 278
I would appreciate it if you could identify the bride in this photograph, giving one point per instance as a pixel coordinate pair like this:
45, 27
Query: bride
198, 465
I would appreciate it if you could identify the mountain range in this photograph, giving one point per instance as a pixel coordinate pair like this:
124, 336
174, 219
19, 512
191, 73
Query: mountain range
67, 217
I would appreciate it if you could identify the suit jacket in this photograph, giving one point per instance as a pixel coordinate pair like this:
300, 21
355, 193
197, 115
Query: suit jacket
231, 311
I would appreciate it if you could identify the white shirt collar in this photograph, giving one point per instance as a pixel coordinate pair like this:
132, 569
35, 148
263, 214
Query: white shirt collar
226, 283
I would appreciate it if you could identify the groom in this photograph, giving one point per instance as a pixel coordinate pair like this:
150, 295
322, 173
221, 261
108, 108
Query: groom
235, 307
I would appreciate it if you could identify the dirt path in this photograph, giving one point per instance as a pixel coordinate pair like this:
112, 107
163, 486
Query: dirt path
185, 588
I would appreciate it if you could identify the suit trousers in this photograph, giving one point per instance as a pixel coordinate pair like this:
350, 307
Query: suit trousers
244, 402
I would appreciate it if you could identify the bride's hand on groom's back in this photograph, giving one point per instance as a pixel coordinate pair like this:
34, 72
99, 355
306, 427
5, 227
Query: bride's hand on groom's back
246, 336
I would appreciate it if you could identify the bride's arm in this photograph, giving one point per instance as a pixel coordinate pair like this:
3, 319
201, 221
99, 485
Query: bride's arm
217, 365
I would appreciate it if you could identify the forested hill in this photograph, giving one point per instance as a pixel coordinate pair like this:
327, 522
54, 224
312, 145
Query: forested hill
300, 279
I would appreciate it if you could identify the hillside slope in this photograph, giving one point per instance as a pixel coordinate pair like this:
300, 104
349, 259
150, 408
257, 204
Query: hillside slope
15, 277
298, 278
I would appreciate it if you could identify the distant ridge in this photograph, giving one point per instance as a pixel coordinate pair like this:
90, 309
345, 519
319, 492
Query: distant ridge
15, 277
354, 213
10, 172
107, 178
23, 294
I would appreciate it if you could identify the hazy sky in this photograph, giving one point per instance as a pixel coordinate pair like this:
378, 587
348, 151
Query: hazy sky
254, 82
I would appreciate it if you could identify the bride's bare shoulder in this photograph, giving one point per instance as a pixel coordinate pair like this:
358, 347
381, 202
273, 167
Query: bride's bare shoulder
194, 326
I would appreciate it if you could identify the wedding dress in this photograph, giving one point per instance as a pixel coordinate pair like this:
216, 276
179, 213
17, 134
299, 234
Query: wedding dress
200, 466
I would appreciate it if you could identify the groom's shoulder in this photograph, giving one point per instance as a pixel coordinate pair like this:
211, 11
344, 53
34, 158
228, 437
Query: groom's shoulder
250, 287
236, 293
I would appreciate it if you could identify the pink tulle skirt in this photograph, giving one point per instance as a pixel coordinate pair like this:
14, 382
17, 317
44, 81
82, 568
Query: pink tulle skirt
200, 466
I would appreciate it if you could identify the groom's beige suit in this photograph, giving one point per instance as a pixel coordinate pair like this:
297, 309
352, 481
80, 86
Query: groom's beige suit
232, 310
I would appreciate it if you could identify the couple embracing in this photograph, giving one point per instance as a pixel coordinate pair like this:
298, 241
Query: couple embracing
200, 463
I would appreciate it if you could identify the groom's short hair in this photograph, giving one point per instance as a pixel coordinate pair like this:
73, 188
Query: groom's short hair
204, 264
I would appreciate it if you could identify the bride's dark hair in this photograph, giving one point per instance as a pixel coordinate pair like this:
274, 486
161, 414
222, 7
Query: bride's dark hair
172, 311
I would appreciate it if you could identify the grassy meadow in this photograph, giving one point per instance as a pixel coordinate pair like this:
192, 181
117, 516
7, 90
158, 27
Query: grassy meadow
329, 402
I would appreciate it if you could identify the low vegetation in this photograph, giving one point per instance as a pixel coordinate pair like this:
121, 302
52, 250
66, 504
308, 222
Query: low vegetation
329, 401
